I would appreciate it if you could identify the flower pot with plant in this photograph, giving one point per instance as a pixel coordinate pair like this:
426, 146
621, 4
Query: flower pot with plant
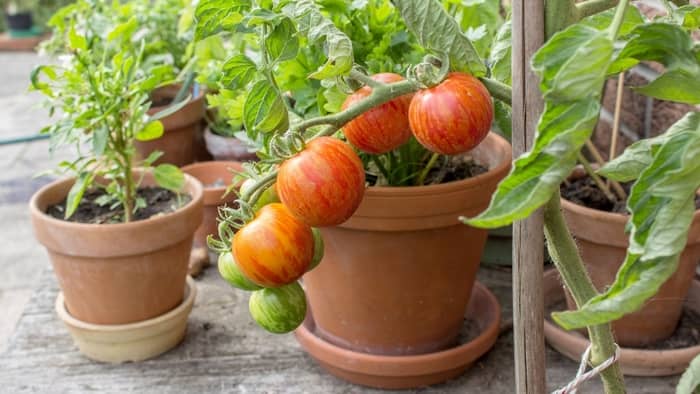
398, 268
119, 231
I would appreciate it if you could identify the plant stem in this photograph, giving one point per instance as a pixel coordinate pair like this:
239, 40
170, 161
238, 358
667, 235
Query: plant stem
426, 169
365, 79
617, 188
596, 178
618, 19
498, 90
564, 253
591, 7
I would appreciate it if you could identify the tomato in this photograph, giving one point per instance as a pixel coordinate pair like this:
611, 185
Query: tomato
322, 185
232, 274
318, 249
278, 310
383, 128
275, 248
267, 197
452, 117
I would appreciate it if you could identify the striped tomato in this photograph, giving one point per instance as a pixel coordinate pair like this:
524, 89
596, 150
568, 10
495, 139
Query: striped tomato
452, 117
382, 128
275, 248
278, 310
322, 185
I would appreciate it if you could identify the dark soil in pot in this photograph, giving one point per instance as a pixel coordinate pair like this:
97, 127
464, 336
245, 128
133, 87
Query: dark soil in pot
158, 201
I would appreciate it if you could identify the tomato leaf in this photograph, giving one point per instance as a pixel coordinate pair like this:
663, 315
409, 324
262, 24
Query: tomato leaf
661, 205
282, 43
316, 27
437, 31
150, 131
238, 71
213, 16
690, 380
264, 111
169, 177
500, 58
602, 20
75, 194
99, 140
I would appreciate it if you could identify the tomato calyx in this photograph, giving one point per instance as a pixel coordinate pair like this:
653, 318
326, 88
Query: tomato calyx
430, 72
287, 145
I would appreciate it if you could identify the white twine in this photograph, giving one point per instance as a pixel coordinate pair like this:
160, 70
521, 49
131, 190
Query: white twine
581, 377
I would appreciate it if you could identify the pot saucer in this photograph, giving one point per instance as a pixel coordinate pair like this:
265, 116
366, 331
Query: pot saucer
118, 343
634, 362
402, 372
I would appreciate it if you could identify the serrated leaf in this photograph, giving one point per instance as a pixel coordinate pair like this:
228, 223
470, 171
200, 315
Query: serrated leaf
213, 16
99, 140
438, 32
169, 177
500, 58
661, 206
238, 71
282, 43
690, 381
264, 111
316, 27
150, 131
75, 194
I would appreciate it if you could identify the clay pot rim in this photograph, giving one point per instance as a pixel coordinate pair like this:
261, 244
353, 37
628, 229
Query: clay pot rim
604, 216
664, 360
409, 365
401, 191
191, 182
187, 302
226, 164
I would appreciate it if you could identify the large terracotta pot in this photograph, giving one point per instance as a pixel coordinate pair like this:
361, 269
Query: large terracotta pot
397, 276
118, 273
210, 172
603, 243
181, 138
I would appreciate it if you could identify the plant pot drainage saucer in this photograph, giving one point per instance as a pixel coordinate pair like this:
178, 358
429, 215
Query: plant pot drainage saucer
138, 341
634, 362
402, 372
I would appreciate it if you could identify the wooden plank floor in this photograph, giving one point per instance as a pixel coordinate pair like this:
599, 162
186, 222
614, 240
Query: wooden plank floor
225, 352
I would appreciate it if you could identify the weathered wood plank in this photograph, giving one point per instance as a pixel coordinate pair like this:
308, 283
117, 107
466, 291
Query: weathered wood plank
528, 235
225, 352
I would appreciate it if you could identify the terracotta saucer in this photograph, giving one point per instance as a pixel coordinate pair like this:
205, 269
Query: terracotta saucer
139, 341
401, 372
634, 362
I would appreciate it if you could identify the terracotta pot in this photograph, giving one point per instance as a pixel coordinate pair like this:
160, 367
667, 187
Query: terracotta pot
180, 139
118, 273
397, 276
603, 243
227, 148
210, 172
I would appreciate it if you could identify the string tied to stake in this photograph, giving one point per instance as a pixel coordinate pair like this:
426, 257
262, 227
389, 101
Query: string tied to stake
582, 375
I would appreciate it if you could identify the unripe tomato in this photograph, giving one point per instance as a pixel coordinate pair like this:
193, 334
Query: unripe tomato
267, 197
318, 249
452, 117
278, 310
383, 128
322, 185
275, 248
232, 274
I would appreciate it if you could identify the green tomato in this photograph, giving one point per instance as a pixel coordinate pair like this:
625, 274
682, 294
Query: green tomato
318, 249
229, 270
269, 196
278, 309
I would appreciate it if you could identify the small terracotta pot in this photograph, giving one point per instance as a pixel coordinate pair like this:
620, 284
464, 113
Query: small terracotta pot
603, 243
180, 138
118, 273
227, 148
397, 276
209, 172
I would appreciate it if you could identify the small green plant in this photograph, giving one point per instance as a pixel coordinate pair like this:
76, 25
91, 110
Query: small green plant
103, 103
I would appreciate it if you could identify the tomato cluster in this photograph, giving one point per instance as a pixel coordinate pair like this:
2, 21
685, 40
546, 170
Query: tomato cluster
323, 185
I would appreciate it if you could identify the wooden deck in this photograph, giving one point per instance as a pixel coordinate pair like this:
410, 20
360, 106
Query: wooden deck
225, 352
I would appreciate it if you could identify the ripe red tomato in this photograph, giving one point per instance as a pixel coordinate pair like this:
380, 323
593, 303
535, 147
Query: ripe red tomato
275, 248
383, 128
452, 117
322, 185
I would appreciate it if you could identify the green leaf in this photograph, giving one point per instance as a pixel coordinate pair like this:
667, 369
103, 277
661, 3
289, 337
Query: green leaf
602, 20
680, 85
123, 30
661, 203
213, 16
316, 27
690, 381
573, 64
152, 157
171, 109
264, 111
500, 58
150, 131
238, 71
437, 31
75, 194
99, 140
503, 118
691, 19
282, 43
44, 87
169, 177
76, 41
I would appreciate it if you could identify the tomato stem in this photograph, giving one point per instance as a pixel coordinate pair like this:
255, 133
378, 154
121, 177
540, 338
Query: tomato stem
365, 79
498, 89
426, 170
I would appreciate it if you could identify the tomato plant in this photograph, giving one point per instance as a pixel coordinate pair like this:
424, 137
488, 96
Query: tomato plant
323, 184
452, 117
275, 248
383, 128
